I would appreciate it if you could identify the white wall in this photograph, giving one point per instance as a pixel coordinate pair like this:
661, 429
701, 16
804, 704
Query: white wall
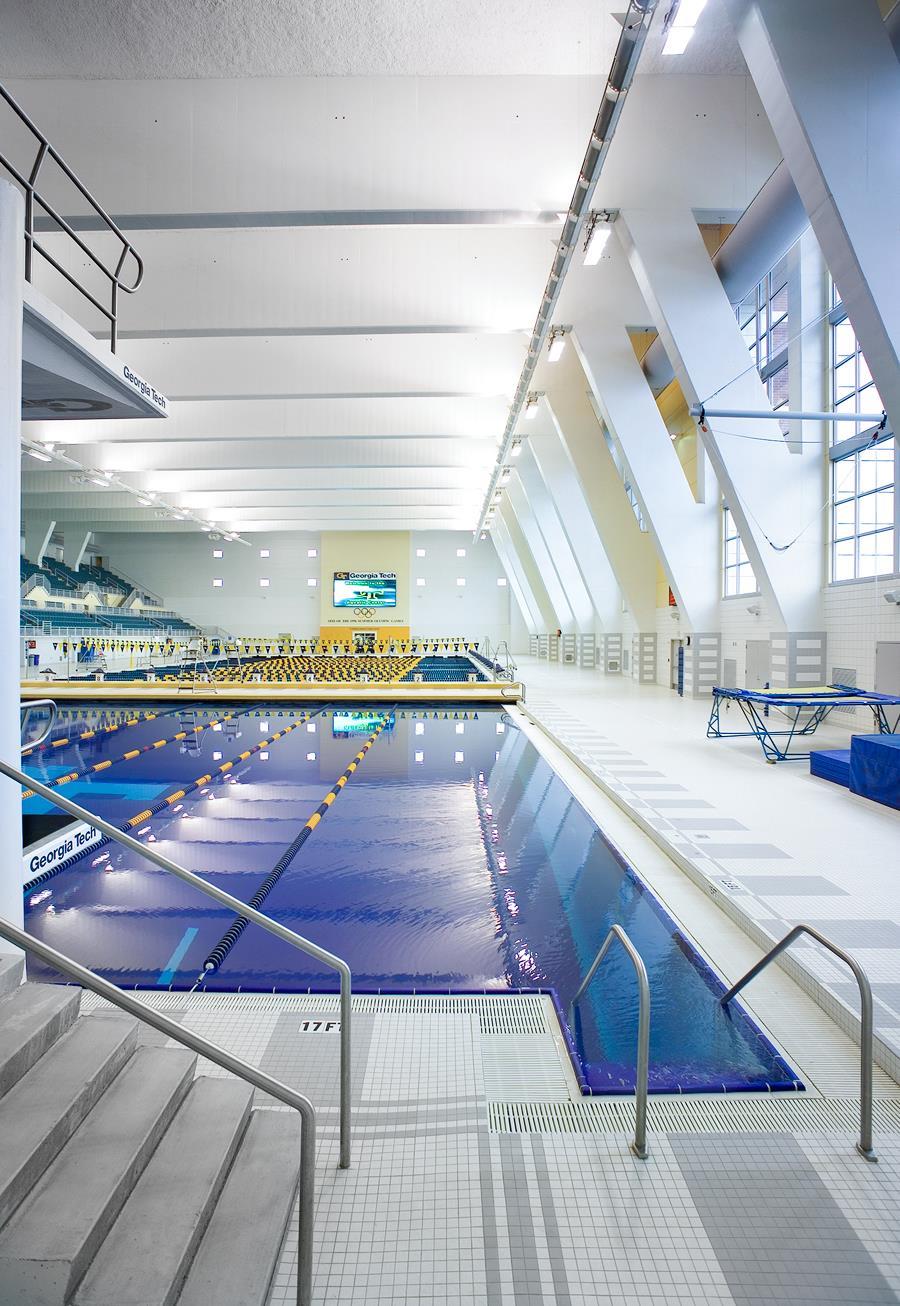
180, 568
477, 609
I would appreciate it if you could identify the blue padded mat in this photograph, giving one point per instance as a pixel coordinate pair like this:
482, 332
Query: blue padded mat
875, 768
831, 764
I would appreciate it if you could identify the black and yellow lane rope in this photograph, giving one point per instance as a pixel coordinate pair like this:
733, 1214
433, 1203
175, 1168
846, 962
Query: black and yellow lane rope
231, 936
169, 800
61, 780
135, 720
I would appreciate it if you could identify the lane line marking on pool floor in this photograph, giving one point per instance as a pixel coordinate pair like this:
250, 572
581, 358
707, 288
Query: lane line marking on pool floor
167, 974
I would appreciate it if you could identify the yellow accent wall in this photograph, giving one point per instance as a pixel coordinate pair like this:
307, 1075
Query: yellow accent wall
364, 551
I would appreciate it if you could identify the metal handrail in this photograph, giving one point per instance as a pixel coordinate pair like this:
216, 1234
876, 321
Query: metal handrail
642, 1073
238, 907
864, 1146
32, 244
220, 1057
26, 708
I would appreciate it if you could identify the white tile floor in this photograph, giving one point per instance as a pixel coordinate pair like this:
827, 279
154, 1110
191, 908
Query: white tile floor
448, 1202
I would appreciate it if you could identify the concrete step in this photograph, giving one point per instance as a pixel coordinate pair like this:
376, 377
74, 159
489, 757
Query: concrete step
150, 1247
240, 1249
42, 1111
12, 968
31, 1020
56, 1232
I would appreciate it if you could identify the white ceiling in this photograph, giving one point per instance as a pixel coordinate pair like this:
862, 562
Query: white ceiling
151, 39
347, 215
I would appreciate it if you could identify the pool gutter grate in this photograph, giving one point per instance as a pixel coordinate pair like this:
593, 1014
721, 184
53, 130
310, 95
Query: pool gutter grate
503, 1014
741, 1115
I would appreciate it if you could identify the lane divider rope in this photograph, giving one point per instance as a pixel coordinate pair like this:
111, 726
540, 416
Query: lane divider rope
162, 803
127, 757
231, 936
91, 734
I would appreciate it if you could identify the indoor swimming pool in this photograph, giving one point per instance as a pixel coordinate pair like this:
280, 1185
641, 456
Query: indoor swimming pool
453, 859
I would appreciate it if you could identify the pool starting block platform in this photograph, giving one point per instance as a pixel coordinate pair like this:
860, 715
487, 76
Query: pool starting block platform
801, 710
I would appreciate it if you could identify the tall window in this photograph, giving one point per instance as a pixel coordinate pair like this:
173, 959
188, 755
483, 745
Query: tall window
738, 572
763, 319
863, 464
852, 387
863, 521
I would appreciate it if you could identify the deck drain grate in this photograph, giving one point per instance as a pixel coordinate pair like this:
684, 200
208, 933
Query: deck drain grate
692, 1115
513, 1014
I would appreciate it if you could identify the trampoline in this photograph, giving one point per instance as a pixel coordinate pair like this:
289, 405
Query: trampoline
801, 710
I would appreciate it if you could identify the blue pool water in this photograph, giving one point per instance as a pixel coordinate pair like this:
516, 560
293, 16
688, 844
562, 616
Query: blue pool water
453, 859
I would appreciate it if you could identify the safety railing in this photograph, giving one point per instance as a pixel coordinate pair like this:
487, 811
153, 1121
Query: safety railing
642, 1073
26, 709
239, 908
113, 272
866, 1032
220, 1057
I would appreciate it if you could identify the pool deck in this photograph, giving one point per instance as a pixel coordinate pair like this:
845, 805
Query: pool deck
481, 1177
114, 691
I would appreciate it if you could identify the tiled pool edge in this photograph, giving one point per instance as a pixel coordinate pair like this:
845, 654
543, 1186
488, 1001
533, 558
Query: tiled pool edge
846, 1019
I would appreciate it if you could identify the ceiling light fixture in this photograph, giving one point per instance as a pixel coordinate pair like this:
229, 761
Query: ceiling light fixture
39, 455
557, 344
99, 478
516, 449
679, 24
598, 233
635, 23
531, 406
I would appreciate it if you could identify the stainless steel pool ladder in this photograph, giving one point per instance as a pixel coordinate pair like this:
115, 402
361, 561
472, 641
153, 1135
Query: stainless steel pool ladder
238, 907
642, 1075
26, 707
220, 1057
866, 1031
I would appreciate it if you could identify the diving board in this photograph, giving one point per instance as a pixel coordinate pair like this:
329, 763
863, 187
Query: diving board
801, 710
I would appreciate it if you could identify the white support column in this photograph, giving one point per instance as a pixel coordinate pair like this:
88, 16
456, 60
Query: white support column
829, 81
529, 574
12, 277
563, 617
517, 582
562, 481
629, 549
554, 537
776, 497
686, 533
37, 539
75, 543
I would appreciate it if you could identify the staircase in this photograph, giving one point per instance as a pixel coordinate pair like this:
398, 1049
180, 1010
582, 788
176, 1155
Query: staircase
124, 1179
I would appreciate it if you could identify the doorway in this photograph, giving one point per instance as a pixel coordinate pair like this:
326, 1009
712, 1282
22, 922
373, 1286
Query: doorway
674, 646
887, 674
759, 665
